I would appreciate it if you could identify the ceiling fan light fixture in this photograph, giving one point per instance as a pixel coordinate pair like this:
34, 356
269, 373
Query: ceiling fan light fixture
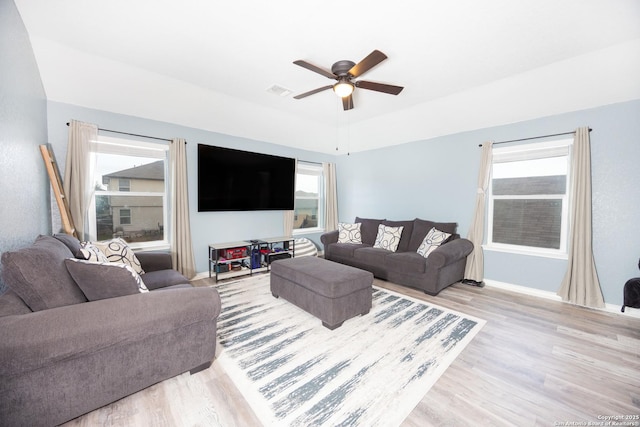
343, 88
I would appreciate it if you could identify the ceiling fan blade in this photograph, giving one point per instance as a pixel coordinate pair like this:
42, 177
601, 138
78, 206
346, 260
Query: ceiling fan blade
311, 92
347, 102
316, 69
373, 59
379, 87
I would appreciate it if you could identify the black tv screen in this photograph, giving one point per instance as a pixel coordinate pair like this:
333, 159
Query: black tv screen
235, 180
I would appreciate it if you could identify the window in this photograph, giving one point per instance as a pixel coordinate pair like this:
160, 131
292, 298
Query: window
309, 203
124, 184
125, 216
529, 198
131, 191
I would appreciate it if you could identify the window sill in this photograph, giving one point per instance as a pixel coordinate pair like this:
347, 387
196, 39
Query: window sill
310, 230
526, 251
160, 245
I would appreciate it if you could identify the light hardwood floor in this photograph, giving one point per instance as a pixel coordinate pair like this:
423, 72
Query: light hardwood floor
536, 362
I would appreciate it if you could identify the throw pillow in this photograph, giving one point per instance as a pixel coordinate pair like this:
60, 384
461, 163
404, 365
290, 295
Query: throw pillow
388, 237
99, 280
432, 240
91, 252
349, 233
117, 250
305, 247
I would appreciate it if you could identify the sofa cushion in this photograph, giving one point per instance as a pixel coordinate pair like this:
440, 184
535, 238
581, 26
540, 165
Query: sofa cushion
432, 240
388, 237
163, 278
371, 256
369, 229
344, 250
406, 262
406, 232
38, 275
11, 304
349, 233
117, 250
72, 243
105, 280
422, 227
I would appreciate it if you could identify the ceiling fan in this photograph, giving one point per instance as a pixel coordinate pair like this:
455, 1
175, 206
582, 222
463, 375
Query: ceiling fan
344, 72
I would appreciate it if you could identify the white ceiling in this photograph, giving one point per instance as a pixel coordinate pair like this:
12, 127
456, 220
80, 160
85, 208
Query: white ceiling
465, 65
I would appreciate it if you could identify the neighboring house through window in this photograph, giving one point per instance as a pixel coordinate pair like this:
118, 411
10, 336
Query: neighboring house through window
131, 191
529, 199
309, 203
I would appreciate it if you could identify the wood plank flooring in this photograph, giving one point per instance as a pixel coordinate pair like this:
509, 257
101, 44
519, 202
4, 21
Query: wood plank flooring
535, 363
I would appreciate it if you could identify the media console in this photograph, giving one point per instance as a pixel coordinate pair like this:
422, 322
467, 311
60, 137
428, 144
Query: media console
233, 259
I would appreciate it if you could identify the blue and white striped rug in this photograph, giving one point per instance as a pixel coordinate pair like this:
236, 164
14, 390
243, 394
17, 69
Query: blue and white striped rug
371, 371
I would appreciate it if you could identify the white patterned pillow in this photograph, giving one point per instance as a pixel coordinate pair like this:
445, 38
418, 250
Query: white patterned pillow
92, 252
349, 233
388, 237
432, 240
100, 280
305, 247
117, 250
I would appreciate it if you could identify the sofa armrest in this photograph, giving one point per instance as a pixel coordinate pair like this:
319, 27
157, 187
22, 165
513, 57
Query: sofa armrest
41, 339
154, 260
449, 253
328, 238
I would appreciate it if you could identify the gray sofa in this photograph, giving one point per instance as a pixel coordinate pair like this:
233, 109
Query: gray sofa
443, 267
62, 356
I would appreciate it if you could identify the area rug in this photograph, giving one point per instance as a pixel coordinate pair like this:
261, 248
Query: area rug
371, 371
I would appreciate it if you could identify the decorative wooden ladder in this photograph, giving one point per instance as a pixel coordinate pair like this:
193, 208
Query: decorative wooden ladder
56, 184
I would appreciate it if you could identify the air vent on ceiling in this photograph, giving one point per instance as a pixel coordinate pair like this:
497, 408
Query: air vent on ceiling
279, 90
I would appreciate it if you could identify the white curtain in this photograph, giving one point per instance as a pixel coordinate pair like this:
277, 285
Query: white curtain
289, 216
331, 196
474, 269
78, 175
181, 244
580, 284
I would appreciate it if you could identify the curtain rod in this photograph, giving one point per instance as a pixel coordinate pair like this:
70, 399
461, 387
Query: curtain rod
132, 134
534, 137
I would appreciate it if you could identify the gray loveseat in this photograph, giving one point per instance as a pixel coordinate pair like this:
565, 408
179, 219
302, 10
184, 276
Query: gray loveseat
443, 267
62, 356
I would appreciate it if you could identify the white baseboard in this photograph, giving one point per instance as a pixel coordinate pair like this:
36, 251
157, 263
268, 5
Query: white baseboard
609, 308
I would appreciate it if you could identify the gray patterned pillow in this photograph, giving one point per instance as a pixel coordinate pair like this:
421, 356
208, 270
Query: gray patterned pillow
432, 240
349, 233
104, 280
117, 250
388, 237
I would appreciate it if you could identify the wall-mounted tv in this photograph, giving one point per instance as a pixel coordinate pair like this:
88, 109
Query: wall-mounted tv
235, 180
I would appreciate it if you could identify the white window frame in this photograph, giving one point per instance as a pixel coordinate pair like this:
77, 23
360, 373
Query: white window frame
133, 148
541, 150
313, 169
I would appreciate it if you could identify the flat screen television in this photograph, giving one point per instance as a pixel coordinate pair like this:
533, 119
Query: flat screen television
235, 180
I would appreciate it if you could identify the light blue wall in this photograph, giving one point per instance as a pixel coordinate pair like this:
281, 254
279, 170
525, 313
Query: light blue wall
206, 227
436, 179
24, 209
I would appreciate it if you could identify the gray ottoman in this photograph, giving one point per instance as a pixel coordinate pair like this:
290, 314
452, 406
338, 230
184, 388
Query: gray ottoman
330, 291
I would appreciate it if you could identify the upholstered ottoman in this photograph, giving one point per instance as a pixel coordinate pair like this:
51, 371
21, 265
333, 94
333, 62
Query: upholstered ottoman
330, 291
